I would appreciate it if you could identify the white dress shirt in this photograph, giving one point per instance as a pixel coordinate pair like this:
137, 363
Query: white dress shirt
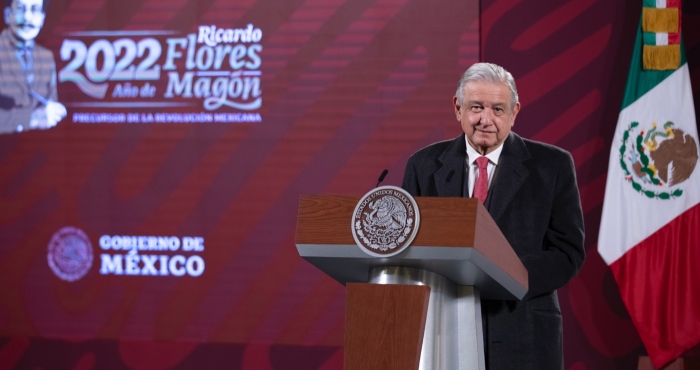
473, 168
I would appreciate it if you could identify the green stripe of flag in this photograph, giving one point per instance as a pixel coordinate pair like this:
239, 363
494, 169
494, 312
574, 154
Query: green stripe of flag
649, 38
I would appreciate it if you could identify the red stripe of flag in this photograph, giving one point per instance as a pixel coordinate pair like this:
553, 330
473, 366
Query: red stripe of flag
656, 280
674, 38
673, 3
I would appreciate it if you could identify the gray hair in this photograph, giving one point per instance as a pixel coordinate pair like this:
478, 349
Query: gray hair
490, 73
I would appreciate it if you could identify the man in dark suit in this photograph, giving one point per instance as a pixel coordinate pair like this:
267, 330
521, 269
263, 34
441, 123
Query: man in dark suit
27, 71
533, 197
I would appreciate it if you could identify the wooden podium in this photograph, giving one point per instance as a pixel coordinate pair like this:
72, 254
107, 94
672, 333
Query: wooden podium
419, 309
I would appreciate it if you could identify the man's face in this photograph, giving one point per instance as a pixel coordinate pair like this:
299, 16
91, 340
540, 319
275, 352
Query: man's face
25, 18
486, 114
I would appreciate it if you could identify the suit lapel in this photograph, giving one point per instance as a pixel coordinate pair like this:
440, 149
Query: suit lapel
12, 62
10, 59
510, 176
449, 178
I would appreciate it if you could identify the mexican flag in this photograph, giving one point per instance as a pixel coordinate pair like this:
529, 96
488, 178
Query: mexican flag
650, 226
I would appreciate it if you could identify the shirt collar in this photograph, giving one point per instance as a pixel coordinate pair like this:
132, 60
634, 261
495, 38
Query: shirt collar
472, 154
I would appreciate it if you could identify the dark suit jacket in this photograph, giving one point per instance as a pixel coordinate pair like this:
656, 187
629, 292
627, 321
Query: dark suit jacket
534, 199
16, 104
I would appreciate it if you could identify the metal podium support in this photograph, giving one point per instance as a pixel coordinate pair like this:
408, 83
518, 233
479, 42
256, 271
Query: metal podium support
453, 337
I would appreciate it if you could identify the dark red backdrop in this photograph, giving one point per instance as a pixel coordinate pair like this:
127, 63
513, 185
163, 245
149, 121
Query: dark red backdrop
348, 88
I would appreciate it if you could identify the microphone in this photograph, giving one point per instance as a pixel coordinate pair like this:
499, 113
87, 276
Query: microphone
381, 177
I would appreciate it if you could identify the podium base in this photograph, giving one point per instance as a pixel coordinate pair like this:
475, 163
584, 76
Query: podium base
453, 334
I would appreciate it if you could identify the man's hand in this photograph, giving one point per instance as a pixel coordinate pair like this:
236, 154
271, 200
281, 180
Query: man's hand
48, 116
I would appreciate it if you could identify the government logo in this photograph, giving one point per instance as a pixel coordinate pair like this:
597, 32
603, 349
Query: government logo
70, 254
657, 160
385, 221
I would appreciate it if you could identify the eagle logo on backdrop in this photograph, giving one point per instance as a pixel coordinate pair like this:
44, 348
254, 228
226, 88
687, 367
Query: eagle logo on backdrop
385, 221
70, 253
658, 160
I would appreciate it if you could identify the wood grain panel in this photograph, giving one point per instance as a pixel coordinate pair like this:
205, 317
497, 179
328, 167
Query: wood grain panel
327, 220
384, 326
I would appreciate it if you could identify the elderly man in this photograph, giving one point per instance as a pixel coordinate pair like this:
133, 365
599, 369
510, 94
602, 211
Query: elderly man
530, 190
27, 71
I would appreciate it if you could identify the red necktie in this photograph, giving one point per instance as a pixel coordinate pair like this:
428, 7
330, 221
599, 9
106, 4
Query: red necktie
481, 188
